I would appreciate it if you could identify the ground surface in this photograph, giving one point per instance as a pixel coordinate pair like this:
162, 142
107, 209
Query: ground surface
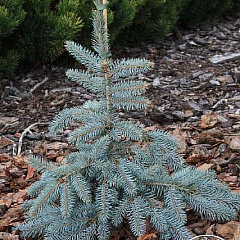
195, 100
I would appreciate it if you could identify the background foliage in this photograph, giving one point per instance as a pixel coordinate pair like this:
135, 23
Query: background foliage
153, 20
41, 26
48, 24
197, 11
34, 31
11, 16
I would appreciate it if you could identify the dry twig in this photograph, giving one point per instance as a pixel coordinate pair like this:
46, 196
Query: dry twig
24, 133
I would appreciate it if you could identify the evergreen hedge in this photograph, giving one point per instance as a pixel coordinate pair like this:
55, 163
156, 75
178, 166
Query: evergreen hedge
197, 11
11, 16
153, 20
34, 31
47, 26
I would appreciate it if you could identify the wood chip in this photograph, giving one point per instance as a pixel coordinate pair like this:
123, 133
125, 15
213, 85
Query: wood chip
229, 230
208, 121
205, 166
224, 58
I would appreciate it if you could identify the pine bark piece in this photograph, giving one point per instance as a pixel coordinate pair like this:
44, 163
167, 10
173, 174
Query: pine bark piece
222, 58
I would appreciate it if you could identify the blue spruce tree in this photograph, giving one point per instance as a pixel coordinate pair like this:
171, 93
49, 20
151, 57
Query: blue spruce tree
120, 172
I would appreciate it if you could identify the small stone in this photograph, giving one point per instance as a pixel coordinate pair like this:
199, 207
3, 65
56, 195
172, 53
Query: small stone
197, 74
183, 81
199, 231
208, 121
188, 36
194, 106
200, 41
188, 113
156, 82
178, 114
5, 235
227, 124
175, 92
215, 82
56, 90
182, 47
34, 136
194, 43
221, 119
225, 79
81, 89
221, 36
205, 166
86, 96
234, 143
206, 76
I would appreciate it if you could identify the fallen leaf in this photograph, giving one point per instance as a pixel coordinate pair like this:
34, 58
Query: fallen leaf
11, 217
56, 145
225, 79
228, 230
20, 161
5, 157
4, 142
188, 113
52, 154
194, 158
13, 237
231, 179
20, 196
209, 230
199, 154
17, 135
205, 166
219, 168
148, 236
5, 235
208, 121
227, 177
6, 201
30, 172
151, 128
237, 234
209, 137
182, 139
59, 159
236, 190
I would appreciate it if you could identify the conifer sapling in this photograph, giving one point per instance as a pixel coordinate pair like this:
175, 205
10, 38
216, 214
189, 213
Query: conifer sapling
121, 172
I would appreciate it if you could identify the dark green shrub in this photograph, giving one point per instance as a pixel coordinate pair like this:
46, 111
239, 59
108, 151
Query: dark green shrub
124, 13
236, 6
48, 24
198, 11
121, 14
137, 20
153, 20
11, 17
